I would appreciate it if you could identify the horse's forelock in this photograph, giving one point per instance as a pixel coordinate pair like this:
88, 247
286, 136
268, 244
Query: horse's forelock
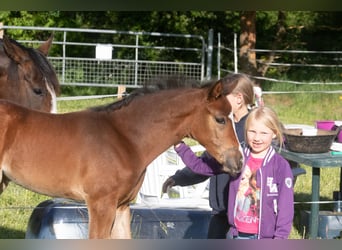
45, 68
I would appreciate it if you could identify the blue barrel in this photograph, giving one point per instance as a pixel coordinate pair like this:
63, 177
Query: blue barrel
65, 219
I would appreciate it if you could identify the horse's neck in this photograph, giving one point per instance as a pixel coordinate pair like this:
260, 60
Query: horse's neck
160, 120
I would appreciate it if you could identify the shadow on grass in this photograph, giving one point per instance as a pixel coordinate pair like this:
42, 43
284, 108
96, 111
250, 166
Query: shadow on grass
6, 233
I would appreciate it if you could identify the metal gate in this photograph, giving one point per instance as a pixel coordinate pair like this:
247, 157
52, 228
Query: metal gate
119, 57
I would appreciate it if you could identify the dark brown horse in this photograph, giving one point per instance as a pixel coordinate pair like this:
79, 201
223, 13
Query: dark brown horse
26, 75
100, 155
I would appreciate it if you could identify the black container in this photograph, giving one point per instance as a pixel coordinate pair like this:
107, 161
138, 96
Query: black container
64, 219
337, 197
297, 142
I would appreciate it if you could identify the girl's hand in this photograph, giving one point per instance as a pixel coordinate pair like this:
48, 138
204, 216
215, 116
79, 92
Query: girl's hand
178, 144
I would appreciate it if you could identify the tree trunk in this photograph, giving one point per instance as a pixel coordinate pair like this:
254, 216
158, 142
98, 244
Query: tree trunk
247, 57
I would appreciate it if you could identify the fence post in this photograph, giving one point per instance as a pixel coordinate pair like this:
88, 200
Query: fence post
235, 54
121, 91
136, 59
218, 55
64, 56
1, 30
210, 53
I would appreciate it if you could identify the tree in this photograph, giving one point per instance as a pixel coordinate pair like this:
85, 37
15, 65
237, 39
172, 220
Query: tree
247, 56
248, 59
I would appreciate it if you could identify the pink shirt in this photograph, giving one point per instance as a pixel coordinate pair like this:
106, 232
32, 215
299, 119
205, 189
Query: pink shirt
247, 204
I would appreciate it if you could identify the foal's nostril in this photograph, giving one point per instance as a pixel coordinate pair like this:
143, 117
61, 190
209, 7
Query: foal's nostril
241, 163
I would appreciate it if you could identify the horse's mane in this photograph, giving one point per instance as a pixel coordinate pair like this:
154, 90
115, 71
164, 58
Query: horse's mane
154, 85
40, 60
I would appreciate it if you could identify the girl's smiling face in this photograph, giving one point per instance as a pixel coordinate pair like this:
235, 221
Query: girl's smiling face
259, 138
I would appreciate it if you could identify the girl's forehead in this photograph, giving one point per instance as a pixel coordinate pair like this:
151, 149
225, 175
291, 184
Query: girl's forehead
259, 126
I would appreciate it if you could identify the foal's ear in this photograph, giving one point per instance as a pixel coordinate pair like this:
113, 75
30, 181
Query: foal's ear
215, 91
45, 47
14, 51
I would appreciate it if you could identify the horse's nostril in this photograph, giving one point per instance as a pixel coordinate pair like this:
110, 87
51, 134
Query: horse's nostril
241, 163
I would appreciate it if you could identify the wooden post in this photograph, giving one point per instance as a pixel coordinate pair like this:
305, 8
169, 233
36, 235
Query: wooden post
1, 31
121, 91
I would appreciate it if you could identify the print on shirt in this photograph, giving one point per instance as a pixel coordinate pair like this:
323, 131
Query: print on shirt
248, 202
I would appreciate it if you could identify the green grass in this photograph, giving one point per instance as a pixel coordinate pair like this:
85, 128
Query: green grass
306, 108
16, 203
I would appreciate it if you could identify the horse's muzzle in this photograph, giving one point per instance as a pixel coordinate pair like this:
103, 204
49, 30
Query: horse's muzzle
233, 161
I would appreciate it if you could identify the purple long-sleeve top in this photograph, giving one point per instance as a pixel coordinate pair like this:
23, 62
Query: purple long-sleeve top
275, 179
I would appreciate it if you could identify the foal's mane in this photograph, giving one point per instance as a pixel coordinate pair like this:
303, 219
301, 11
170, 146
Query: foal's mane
40, 60
154, 85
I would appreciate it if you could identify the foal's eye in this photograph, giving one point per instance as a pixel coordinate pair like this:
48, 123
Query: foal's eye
220, 120
38, 91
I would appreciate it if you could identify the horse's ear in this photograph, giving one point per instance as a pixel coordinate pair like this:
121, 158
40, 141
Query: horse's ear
215, 90
14, 51
45, 47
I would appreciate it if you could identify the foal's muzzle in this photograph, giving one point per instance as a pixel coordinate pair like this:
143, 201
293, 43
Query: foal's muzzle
233, 161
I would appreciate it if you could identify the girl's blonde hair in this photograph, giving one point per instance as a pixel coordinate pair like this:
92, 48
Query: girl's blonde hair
269, 118
239, 84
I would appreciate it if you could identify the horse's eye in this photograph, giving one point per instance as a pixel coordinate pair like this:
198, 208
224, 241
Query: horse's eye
38, 91
220, 120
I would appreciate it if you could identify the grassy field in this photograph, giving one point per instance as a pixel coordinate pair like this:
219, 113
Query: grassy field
16, 204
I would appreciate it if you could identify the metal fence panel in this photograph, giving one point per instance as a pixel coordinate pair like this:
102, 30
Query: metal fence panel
93, 72
131, 63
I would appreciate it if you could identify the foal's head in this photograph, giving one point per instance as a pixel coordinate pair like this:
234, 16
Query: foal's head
216, 131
